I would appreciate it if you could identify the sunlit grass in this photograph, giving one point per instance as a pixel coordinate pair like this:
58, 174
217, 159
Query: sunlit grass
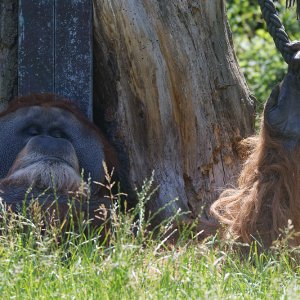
45, 261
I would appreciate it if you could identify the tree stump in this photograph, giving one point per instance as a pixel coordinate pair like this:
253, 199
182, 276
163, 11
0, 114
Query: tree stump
172, 97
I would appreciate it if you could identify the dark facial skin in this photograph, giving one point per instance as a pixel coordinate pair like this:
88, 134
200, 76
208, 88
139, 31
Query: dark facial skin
60, 134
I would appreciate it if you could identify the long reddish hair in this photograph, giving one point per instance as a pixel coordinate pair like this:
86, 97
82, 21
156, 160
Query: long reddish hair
267, 193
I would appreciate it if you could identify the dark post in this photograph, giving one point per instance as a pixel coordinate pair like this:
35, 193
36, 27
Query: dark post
36, 47
55, 49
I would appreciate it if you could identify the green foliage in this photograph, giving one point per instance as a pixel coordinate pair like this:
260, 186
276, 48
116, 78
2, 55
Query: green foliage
258, 57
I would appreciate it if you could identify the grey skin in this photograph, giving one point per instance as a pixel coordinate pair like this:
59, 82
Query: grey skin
17, 129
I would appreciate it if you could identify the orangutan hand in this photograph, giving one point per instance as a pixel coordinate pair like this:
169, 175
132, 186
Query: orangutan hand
282, 111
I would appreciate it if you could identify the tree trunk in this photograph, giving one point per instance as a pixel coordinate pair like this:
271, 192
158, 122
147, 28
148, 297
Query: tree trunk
8, 50
171, 96
167, 90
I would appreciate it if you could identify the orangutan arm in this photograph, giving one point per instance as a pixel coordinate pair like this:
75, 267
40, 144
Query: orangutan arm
267, 193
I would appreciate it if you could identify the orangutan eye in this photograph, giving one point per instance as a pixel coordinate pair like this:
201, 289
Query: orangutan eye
33, 130
57, 133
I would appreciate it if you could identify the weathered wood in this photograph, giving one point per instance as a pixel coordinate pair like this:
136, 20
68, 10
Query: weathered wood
171, 95
73, 52
36, 47
168, 85
8, 50
55, 49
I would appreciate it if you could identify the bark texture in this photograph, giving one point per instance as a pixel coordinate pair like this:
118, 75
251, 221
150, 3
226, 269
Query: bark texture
169, 91
8, 50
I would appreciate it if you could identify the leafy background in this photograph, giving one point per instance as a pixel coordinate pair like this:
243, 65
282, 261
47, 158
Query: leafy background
258, 57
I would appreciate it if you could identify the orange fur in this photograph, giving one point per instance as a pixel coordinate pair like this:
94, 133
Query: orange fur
267, 193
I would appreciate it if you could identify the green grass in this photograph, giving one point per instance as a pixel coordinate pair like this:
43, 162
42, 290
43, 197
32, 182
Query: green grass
36, 263
87, 270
